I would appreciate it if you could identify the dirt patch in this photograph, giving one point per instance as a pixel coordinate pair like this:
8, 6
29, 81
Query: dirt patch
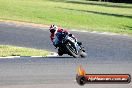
20, 23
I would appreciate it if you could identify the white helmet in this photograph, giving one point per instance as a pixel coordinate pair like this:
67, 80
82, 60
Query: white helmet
53, 28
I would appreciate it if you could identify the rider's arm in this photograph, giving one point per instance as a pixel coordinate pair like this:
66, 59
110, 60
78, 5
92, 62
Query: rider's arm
52, 37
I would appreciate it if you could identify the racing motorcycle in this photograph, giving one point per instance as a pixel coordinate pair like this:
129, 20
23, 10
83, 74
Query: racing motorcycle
69, 45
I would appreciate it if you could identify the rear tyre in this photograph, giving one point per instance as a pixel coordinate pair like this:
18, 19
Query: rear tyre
60, 53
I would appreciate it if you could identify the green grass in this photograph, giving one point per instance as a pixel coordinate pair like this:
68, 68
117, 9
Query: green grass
7, 50
82, 15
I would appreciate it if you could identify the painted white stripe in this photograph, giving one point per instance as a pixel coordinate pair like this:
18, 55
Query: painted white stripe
50, 55
11, 57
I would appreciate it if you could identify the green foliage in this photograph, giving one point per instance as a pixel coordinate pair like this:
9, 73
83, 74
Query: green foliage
6, 50
81, 14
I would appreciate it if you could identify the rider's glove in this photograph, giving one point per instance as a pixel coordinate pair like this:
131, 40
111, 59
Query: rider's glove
70, 35
64, 34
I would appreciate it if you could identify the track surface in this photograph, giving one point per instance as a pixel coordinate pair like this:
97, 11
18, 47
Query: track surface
106, 54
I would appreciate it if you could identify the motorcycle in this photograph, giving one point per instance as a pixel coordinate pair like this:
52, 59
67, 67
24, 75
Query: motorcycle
69, 45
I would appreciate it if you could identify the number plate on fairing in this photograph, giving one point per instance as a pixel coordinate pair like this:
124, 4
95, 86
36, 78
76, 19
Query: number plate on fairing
71, 39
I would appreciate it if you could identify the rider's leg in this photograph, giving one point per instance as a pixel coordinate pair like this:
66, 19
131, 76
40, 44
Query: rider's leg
56, 42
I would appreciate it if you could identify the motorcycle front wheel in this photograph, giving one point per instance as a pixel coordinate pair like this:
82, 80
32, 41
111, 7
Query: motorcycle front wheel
72, 50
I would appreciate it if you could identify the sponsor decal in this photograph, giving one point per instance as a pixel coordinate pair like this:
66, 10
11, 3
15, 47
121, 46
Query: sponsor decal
83, 78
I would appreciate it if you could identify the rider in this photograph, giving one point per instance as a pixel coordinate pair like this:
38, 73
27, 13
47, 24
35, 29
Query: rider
54, 30
56, 34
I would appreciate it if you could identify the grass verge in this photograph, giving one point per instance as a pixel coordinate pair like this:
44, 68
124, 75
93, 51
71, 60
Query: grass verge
78, 14
8, 50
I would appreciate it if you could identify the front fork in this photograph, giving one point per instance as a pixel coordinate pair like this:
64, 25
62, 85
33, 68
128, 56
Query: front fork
77, 47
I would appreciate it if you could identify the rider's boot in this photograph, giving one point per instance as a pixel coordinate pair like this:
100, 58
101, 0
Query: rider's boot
79, 43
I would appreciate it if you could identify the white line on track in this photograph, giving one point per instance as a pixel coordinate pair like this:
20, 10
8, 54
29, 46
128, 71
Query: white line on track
53, 54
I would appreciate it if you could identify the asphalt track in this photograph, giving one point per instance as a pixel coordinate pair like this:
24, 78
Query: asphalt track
106, 54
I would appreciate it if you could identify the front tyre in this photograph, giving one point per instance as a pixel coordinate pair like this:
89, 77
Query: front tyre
83, 54
72, 50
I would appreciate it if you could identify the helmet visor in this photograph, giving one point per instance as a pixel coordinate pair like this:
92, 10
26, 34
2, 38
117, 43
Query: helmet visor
52, 30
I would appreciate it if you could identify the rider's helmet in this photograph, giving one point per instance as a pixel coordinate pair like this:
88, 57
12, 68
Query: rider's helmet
53, 28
